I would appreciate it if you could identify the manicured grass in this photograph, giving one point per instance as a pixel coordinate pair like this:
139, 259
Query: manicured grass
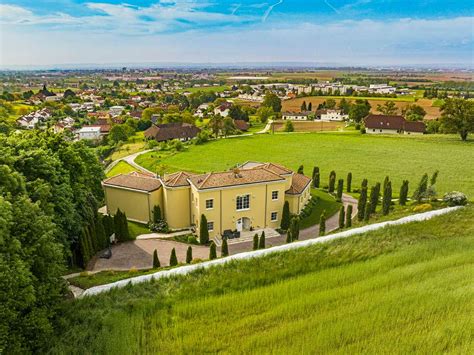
326, 202
121, 167
366, 156
134, 145
403, 289
135, 229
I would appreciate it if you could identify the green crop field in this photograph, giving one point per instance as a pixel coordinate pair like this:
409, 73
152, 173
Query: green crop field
366, 156
403, 289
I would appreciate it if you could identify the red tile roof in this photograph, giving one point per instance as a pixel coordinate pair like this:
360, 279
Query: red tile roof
412, 126
176, 130
384, 121
299, 182
135, 182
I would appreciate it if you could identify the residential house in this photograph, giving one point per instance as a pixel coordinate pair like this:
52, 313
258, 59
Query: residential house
169, 131
34, 119
394, 124
296, 116
251, 196
116, 110
88, 132
331, 115
223, 109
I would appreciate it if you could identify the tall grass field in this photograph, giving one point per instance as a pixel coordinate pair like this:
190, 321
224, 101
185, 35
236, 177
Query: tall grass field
366, 156
403, 289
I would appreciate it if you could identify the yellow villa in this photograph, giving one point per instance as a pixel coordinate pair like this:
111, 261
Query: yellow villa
251, 196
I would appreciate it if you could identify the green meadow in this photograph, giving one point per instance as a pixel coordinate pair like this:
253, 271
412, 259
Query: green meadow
366, 156
399, 290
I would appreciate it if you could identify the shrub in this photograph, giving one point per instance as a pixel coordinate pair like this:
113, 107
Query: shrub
455, 198
342, 217
160, 226
156, 261
261, 243
423, 207
156, 213
189, 255
225, 248
192, 240
212, 251
420, 191
255, 242
322, 223
289, 126
203, 231
349, 216
301, 170
173, 258
133, 270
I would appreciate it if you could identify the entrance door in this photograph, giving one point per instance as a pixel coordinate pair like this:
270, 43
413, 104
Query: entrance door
243, 224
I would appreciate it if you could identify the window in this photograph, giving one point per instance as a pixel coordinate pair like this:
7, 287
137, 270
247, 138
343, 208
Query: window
274, 195
274, 216
243, 202
210, 226
210, 204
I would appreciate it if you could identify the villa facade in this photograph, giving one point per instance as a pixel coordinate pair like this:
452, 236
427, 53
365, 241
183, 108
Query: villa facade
250, 196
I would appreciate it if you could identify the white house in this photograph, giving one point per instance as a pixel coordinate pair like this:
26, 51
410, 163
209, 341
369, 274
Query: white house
296, 116
116, 110
88, 133
331, 115
32, 119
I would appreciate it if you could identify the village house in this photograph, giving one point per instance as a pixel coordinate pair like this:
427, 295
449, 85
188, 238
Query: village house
296, 116
223, 109
116, 110
395, 124
331, 115
174, 130
89, 133
249, 197
34, 119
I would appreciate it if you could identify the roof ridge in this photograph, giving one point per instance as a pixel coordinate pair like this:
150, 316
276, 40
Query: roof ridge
206, 178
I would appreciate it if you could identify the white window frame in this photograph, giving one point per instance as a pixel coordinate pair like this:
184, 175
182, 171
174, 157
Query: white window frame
276, 216
210, 226
211, 200
275, 199
242, 208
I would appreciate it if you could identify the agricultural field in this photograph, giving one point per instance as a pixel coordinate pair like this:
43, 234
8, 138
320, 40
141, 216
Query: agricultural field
401, 289
205, 89
366, 156
432, 110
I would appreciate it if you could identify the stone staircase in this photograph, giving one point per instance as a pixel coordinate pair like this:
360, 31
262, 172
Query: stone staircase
247, 236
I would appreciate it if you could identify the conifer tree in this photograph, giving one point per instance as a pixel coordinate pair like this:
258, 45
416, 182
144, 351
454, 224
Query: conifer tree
118, 224
255, 242
301, 170
322, 223
285, 217
225, 248
100, 233
332, 181
349, 182
316, 177
387, 199
340, 188
261, 243
189, 255
361, 204
203, 231
156, 213
342, 217
289, 239
125, 231
349, 216
173, 258
156, 261
303, 106
212, 251
374, 197
420, 191
403, 193
295, 228
368, 208
310, 106
365, 183
385, 182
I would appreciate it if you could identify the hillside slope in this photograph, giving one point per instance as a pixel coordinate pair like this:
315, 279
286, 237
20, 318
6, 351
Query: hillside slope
402, 289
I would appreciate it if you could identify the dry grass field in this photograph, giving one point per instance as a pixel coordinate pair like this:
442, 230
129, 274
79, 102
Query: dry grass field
310, 126
294, 105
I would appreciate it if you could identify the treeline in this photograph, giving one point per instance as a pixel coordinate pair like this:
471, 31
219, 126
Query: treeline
50, 191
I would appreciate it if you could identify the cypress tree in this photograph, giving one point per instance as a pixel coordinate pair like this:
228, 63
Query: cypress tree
349, 182
295, 228
340, 188
403, 193
189, 255
349, 216
342, 217
255, 242
212, 251
365, 183
285, 217
100, 233
156, 261
173, 258
361, 203
322, 223
303, 106
368, 208
93, 238
289, 239
203, 231
125, 232
301, 170
156, 213
387, 198
108, 223
310, 106
385, 182
261, 243
332, 181
316, 177
83, 249
374, 197
225, 248
118, 225
420, 191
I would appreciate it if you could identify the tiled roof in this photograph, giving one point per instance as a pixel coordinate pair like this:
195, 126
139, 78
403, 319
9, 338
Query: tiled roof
298, 184
176, 130
133, 181
234, 178
241, 125
276, 168
177, 179
411, 126
384, 121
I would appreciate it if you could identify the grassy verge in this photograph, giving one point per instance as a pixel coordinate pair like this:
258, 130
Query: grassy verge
134, 145
135, 229
121, 167
326, 202
86, 280
402, 289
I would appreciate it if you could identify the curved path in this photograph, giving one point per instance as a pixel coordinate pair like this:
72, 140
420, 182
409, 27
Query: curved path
130, 159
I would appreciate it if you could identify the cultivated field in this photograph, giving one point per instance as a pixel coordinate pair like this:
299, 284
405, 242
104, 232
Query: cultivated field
432, 112
404, 289
366, 156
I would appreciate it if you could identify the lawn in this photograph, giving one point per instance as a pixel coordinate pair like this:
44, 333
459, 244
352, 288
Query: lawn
135, 144
121, 167
326, 202
135, 229
402, 289
366, 156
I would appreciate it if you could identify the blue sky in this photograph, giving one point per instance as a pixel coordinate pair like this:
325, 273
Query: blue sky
345, 32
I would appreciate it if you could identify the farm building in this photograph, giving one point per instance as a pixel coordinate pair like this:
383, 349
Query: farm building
385, 124
169, 131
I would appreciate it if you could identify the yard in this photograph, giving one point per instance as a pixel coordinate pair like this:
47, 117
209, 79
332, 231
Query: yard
326, 202
366, 156
401, 289
121, 167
